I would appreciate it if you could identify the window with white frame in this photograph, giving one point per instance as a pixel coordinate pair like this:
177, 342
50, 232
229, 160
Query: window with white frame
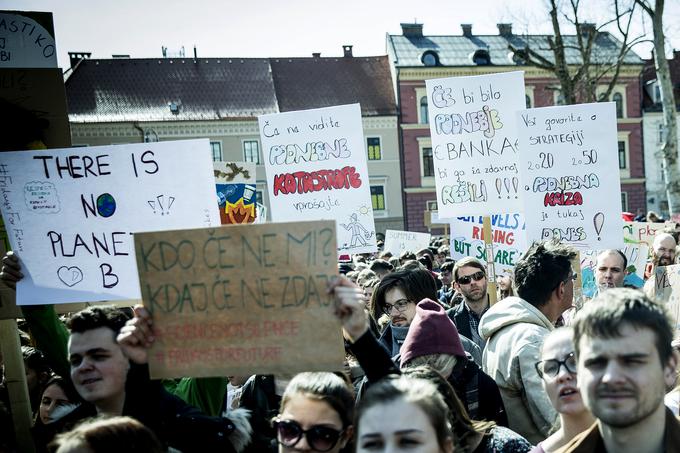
216, 148
251, 151
428, 162
559, 97
623, 161
617, 98
374, 149
527, 100
424, 117
378, 198
624, 201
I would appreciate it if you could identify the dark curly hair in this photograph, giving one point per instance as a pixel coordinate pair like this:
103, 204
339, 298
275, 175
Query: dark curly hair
542, 268
100, 316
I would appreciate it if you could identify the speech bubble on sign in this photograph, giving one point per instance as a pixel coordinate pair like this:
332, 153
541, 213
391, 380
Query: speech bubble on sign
41, 197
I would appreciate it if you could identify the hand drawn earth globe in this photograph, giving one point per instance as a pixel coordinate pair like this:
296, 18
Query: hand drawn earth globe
106, 205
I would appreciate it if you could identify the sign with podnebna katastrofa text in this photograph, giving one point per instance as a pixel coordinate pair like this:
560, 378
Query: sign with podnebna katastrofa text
241, 299
316, 169
570, 175
474, 142
70, 213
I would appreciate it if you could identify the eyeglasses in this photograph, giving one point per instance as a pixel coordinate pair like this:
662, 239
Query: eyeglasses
400, 305
319, 438
477, 276
552, 367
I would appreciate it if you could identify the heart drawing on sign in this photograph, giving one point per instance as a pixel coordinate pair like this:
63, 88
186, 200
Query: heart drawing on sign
70, 276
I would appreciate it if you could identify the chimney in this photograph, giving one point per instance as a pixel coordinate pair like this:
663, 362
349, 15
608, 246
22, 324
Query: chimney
467, 30
75, 57
195, 53
587, 28
347, 49
316, 54
504, 29
412, 30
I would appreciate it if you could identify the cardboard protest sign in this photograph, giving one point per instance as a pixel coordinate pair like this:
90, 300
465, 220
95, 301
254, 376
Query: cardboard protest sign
570, 174
636, 254
235, 183
509, 241
70, 213
401, 241
27, 40
241, 299
316, 169
474, 142
666, 287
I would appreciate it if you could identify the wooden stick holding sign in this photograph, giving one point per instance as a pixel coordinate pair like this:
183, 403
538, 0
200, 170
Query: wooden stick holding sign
241, 299
490, 267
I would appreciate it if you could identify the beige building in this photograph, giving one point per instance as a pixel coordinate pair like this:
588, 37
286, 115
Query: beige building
116, 101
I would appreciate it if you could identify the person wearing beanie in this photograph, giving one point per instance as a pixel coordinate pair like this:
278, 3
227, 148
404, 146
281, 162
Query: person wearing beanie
432, 340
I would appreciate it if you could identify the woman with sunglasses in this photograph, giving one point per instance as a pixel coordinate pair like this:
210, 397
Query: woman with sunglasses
317, 411
557, 369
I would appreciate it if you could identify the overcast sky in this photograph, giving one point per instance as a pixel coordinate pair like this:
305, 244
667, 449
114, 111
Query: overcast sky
276, 28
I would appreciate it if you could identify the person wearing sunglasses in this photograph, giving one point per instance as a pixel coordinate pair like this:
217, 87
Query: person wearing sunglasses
557, 369
469, 280
514, 329
317, 412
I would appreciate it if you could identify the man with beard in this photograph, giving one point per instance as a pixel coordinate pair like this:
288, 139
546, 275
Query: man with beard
610, 269
469, 279
625, 364
663, 253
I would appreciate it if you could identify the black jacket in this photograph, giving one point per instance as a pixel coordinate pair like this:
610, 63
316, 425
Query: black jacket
466, 377
460, 317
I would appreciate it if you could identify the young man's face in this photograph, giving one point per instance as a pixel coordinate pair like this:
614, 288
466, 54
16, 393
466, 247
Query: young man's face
471, 289
609, 271
98, 366
621, 379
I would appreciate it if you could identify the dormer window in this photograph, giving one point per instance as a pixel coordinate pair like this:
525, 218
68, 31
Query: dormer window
430, 58
481, 57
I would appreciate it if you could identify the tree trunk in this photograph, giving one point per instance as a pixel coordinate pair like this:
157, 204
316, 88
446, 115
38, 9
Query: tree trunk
671, 173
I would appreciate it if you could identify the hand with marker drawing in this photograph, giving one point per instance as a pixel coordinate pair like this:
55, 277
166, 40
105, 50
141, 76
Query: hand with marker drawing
137, 335
11, 270
349, 307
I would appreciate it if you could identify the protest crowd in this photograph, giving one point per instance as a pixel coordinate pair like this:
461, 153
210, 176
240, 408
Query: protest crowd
430, 366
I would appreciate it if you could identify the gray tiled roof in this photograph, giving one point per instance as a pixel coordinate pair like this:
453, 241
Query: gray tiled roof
458, 50
115, 90
305, 83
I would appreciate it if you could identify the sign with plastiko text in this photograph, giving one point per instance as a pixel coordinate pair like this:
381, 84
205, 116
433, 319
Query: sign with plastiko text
641, 232
570, 175
316, 169
70, 213
474, 142
509, 241
27, 40
666, 282
241, 299
405, 241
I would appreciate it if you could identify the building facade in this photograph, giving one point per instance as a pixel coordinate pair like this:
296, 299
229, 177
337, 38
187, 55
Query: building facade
123, 100
416, 57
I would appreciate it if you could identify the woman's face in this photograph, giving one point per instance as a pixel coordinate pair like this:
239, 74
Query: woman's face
561, 389
400, 310
505, 282
397, 426
52, 398
311, 414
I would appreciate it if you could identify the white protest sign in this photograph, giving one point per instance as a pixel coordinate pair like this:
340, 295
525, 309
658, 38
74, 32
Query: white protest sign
401, 241
570, 174
27, 40
509, 241
70, 213
474, 142
636, 256
666, 289
316, 170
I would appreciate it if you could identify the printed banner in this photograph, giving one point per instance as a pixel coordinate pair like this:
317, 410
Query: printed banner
70, 213
316, 169
402, 241
474, 142
241, 299
235, 184
509, 241
570, 174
